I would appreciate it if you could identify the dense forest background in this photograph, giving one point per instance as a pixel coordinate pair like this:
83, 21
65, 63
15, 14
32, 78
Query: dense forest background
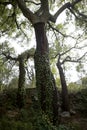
43, 57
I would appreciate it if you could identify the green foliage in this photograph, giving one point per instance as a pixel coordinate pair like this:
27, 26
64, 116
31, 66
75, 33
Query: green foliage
59, 26
39, 124
13, 83
8, 98
84, 82
73, 87
32, 117
70, 126
63, 127
7, 22
79, 67
4, 71
15, 125
5, 64
74, 126
43, 123
24, 115
81, 100
58, 83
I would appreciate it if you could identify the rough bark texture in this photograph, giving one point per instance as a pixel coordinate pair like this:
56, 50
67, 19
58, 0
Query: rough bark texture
55, 102
65, 98
21, 83
44, 77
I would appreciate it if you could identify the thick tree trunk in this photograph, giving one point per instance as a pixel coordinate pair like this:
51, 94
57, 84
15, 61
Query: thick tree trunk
44, 78
65, 98
21, 83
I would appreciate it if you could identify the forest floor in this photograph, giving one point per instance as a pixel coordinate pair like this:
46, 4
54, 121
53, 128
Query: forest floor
76, 122
78, 101
30, 118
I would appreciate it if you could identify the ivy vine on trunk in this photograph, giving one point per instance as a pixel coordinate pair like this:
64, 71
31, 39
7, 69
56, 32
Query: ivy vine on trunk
44, 77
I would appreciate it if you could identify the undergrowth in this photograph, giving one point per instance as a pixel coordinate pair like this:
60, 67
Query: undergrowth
30, 117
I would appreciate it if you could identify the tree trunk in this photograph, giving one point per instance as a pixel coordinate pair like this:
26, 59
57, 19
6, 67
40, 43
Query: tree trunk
44, 79
55, 102
21, 83
65, 98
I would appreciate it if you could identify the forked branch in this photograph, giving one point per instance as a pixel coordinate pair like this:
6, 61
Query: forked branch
67, 5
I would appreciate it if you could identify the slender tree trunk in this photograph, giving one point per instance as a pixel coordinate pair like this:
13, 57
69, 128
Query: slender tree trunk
44, 79
55, 102
65, 98
21, 83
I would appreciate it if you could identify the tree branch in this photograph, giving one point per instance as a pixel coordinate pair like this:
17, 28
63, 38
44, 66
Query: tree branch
27, 13
44, 5
5, 3
65, 6
72, 11
54, 17
25, 55
78, 15
8, 56
73, 47
69, 59
54, 29
32, 2
75, 2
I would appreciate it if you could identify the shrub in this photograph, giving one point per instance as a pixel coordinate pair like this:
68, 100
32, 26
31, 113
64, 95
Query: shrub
15, 125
